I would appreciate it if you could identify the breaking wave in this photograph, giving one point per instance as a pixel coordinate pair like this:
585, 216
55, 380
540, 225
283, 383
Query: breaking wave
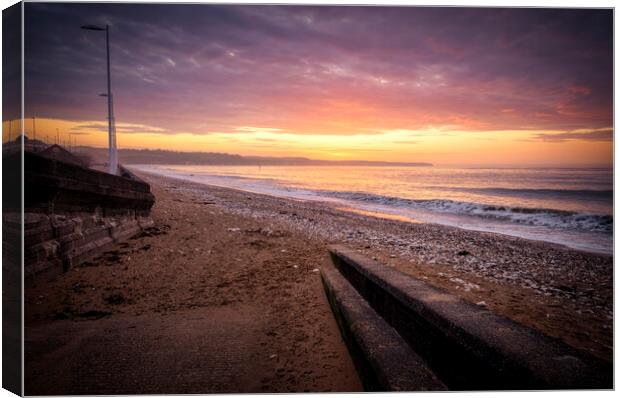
541, 192
521, 215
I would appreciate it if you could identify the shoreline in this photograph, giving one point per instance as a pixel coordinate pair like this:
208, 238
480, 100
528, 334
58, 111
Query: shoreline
541, 284
590, 241
404, 219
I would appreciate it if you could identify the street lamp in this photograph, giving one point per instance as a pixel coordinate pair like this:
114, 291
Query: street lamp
74, 141
112, 155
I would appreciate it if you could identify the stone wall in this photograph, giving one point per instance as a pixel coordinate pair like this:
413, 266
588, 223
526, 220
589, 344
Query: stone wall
73, 214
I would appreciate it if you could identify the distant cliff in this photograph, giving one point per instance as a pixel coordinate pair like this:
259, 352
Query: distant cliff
146, 156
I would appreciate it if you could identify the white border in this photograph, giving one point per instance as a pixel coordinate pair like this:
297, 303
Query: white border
479, 3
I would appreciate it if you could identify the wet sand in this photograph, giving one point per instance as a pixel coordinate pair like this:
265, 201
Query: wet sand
223, 248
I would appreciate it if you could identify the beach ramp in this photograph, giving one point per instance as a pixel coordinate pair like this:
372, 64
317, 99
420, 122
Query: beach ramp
192, 352
449, 343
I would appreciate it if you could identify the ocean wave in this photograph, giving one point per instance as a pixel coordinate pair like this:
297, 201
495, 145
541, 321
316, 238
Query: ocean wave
521, 215
540, 192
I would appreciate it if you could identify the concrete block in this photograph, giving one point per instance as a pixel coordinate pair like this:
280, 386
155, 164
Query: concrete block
384, 361
469, 347
76, 211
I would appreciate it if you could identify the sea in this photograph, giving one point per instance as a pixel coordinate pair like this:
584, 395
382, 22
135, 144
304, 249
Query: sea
567, 206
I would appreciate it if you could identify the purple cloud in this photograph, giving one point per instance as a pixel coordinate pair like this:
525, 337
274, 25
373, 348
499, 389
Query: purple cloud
323, 70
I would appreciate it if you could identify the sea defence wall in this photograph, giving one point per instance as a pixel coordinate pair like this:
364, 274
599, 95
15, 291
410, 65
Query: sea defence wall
457, 345
72, 213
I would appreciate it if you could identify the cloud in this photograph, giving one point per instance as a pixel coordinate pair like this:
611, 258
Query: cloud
583, 90
595, 135
250, 129
170, 61
323, 70
120, 128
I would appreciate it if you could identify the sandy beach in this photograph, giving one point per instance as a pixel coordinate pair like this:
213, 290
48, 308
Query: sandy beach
245, 253
256, 282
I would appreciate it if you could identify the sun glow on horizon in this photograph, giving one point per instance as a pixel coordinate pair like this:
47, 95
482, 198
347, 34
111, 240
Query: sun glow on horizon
437, 146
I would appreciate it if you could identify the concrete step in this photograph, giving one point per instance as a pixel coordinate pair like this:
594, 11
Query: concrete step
467, 346
383, 359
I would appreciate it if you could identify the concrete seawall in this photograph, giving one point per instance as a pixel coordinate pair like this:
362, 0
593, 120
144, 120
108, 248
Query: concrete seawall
466, 346
72, 213
392, 367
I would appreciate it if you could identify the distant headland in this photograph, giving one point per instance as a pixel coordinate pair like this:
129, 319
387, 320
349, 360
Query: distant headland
158, 156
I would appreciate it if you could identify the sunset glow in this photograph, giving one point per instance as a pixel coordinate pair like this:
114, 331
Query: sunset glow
446, 86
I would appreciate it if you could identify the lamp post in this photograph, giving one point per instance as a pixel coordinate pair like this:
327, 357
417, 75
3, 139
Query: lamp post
74, 144
112, 155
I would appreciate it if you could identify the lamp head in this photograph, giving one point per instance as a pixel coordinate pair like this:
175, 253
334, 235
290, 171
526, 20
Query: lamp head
91, 27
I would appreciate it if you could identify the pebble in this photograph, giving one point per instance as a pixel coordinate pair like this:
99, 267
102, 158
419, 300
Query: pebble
499, 259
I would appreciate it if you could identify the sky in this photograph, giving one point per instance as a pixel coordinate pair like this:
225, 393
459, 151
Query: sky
440, 85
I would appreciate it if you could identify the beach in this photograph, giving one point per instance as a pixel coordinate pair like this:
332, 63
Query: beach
228, 252
261, 319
